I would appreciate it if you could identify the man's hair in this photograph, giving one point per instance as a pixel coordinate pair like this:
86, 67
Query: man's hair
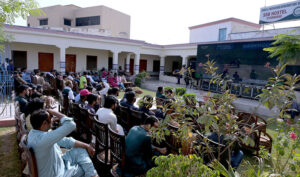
128, 89
42, 74
68, 83
21, 88
84, 73
109, 101
114, 90
169, 91
23, 69
91, 98
150, 120
99, 87
37, 118
35, 104
129, 96
36, 71
89, 88
159, 89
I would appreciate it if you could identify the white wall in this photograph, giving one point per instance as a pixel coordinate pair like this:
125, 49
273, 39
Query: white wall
150, 59
208, 33
169, 62
33, 50
81, 54
32, 54
263, 34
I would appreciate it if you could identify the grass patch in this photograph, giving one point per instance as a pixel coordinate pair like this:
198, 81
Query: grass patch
145, 92
10, 164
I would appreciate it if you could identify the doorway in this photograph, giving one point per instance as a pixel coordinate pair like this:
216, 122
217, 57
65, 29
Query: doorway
45, 62
143, 65
19, 58
70, 63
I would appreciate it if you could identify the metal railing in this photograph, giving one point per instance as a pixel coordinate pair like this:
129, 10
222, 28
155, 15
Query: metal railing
6, 94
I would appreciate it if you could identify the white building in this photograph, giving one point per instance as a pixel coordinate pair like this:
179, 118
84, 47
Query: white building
47, 49
220, 30
99, 20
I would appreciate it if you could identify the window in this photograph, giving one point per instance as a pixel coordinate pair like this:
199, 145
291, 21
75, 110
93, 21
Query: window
67, 22
43, 22
222, 34
91, 63
88, 21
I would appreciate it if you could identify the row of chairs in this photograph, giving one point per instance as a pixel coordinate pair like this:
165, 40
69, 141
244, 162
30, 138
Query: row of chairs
109, 146
26, 153
238, 89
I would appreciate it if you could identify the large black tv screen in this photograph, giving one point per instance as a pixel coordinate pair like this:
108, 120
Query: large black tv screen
241, 57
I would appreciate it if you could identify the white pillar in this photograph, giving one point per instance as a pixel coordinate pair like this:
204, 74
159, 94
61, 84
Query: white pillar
115, 60
184, 60
62, 59
162, 65
127, 65
137, 63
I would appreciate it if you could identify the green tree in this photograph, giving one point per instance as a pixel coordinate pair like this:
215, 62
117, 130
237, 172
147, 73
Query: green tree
12, 9
286, 48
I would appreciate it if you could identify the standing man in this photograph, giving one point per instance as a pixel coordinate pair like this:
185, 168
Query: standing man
10, 67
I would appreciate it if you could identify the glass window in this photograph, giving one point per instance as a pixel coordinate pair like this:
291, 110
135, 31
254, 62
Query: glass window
67, 22
222, 34
43, 22
88, 21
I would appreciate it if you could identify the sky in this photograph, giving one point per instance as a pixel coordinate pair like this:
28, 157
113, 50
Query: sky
167, 21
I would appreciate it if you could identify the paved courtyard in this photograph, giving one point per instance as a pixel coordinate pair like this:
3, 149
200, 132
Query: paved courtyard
242, 104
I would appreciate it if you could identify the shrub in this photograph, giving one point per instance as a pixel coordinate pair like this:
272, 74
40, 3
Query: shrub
180, 91
179, 165
189, 95
140, 77
138, 81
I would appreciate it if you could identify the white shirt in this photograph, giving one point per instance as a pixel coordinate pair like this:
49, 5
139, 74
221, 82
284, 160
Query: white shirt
107, 116
91, 79
105, 89
77, 98
71, 94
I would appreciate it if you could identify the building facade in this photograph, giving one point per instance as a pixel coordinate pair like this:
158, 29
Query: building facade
99, 20
220, 30
63, 50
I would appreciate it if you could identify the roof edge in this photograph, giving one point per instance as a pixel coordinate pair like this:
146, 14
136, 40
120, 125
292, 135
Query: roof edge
232, 19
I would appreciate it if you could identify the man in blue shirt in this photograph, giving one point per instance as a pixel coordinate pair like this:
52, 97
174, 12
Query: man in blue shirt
10, 67
130, 100
25, 75
46, 145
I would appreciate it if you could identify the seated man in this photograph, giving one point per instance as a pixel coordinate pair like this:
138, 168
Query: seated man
81, 97
146, 104
92, 101
22, 91
45, 143
160, 94
68, 90
123, 100
106, 114
139, 149
114, 92
130, 100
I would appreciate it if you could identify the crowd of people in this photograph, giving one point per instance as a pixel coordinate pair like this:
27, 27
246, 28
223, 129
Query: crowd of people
97, 92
